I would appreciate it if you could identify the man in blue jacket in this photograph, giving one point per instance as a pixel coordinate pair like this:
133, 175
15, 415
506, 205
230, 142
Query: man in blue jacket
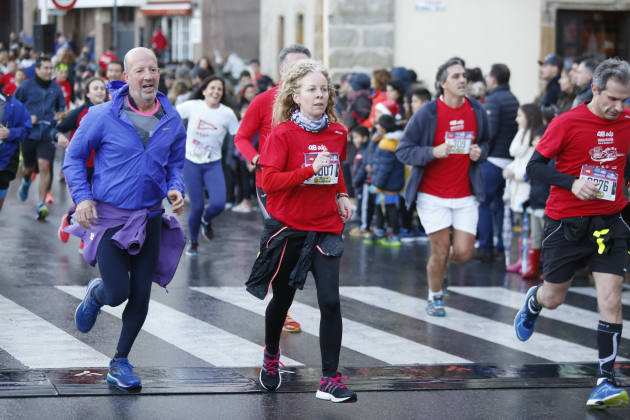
444, 142
501, 106
15, 127
139, 142
43, 98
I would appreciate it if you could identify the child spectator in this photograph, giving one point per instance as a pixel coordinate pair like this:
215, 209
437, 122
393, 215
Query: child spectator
538, 193
361, 138
388, 180
517, 188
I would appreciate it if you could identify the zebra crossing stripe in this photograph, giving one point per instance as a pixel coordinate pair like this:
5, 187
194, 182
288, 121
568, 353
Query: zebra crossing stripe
565, 313
37, 343
201, 339
362, 338
590, 291
540, 345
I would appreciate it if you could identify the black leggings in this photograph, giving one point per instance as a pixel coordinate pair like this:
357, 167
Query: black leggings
115, 266
326, 273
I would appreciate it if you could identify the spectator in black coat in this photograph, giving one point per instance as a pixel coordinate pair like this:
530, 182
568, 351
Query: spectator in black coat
502, 107
550, 69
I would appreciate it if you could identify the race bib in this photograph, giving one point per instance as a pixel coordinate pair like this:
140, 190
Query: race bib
198, 151
605, 179
460, 141
326, 176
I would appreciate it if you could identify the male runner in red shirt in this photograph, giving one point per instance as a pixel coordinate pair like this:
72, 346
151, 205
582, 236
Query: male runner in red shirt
583, 224
444, 142
258, 118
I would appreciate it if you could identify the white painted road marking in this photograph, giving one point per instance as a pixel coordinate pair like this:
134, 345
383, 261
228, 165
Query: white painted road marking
199, 338
359, 337
539, 344
39, 344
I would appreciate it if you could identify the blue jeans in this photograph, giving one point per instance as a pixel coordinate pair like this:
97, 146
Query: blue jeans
491, 209
195, 177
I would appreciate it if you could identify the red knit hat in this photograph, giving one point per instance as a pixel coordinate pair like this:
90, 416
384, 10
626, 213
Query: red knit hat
388, 107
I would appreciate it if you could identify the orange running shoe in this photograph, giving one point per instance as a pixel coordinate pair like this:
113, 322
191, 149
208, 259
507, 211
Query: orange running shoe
291, 325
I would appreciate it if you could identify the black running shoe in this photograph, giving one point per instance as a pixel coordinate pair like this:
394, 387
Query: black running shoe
269, 377
333, 389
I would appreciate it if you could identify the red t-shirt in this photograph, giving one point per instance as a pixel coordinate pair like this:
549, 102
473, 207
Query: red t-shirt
448, 177
578, 138
105, 58
310, 203
258, 118
66, 88
7, 80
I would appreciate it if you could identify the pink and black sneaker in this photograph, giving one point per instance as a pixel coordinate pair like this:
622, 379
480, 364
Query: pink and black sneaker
333, 389
269, 377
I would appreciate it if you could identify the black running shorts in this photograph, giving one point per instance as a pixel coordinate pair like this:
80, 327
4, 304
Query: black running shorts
5, 179
563, 257
37, 149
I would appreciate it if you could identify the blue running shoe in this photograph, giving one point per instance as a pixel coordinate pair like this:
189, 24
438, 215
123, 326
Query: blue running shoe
435, 306
23, 191
193, 249
88, 309
121, 374
42, 211
525, 320
607, 395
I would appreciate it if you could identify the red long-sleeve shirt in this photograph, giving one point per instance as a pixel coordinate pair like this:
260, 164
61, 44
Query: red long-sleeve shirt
295, 196
258, 118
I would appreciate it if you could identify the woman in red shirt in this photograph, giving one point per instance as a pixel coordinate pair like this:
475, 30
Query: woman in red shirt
308, 205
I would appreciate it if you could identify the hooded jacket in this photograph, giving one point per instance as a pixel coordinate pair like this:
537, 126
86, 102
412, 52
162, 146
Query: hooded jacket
416, 148
17, 119
388, 171
127, 175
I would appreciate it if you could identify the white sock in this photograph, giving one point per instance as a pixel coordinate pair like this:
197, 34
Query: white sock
432, 295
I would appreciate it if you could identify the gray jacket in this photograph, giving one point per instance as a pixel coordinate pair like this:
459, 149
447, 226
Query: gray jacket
416, 148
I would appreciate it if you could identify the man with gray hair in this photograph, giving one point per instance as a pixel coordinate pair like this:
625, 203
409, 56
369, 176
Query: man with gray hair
445, 142
258, 119
584, 225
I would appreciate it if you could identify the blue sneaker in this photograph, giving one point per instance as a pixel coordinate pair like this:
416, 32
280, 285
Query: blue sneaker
121, 374
42, 211
192, 250
88, 309
525, 321
607, 395
435, 306
23, 191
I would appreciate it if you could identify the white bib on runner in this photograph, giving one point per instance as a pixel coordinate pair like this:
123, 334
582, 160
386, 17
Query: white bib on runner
460, 141
326, 176
605, 179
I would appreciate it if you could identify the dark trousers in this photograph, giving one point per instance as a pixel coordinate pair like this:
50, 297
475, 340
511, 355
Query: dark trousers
326, 273
491, 209
128, 277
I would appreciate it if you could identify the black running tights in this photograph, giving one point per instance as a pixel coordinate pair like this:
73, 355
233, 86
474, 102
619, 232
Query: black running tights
128, 277
326, 273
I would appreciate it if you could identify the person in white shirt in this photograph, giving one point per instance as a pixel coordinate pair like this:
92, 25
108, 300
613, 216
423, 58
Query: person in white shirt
209, 121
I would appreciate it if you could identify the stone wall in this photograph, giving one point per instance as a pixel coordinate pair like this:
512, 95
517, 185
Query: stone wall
360, 35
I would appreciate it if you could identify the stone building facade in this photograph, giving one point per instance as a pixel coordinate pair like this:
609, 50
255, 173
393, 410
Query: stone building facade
361, 35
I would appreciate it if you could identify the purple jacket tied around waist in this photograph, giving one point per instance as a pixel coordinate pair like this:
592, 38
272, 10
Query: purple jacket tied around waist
131, 236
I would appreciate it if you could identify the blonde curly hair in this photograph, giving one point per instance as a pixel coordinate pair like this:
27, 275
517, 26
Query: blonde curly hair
291, 82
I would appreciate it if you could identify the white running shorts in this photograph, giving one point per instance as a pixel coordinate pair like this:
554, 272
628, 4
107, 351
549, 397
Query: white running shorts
438, 213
